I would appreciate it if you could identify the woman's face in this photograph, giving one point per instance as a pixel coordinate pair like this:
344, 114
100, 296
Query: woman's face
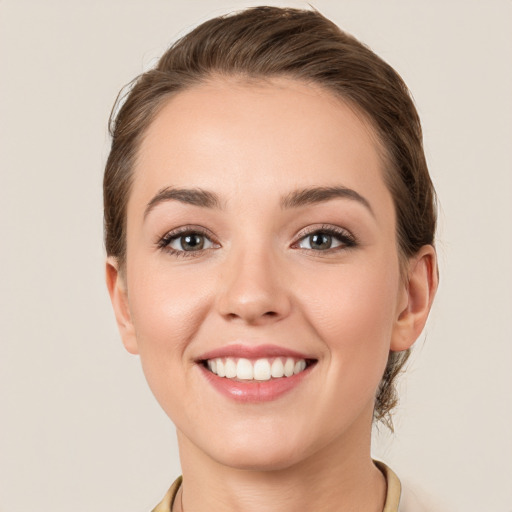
260, 229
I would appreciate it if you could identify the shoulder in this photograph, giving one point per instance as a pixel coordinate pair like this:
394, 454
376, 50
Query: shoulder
399, 498
166, 504
404, 497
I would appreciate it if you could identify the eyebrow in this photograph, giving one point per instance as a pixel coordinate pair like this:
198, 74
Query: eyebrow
295, 199
307, 196
193, 196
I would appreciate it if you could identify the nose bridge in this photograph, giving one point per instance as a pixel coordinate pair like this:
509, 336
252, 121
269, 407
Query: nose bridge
253, 288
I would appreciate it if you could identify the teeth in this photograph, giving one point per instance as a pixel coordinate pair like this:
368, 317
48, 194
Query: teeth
277, 369
289, 367
221, 372
260, 370
230, 368
244, 370
299, 366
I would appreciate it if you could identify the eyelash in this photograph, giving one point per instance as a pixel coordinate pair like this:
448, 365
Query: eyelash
346, 238
168, 238
342, 235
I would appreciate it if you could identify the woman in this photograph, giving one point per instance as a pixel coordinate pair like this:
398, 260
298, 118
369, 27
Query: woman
269, 224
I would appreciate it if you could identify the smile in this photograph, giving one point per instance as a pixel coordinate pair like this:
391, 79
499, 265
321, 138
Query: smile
262, 369
247, 373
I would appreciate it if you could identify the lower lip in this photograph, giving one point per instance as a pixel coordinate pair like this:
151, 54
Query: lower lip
255, 391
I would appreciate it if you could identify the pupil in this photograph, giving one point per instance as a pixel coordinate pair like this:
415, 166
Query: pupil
321, 241
192, 242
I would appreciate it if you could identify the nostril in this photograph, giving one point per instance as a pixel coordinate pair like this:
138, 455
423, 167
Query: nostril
268, 314
253, 307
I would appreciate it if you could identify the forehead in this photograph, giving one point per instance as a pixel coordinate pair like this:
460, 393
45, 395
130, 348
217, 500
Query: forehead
257, 136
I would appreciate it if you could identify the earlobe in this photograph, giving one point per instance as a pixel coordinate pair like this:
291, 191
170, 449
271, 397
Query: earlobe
119, 297
419, 292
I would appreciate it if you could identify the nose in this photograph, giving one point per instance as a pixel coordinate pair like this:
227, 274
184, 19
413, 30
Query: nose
254, 289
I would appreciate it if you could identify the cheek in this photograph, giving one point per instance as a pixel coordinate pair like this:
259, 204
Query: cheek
360, 297
354, 316
167, 309
166, 302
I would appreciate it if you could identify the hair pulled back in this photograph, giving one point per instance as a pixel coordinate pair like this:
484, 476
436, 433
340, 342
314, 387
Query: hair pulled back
266, 42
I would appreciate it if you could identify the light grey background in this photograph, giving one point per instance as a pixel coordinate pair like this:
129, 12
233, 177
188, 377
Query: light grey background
79, 430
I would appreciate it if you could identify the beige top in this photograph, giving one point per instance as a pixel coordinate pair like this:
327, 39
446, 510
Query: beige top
391, 505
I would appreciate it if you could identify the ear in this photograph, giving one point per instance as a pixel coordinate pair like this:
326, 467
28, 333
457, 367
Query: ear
418, 294
117, 290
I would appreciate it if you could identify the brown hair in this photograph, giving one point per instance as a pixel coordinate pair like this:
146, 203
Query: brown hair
265, 42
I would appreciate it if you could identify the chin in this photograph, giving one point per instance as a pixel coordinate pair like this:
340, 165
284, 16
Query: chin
258, 458
270, 447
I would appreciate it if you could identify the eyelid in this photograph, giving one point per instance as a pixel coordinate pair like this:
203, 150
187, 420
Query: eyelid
346, 237
164, 241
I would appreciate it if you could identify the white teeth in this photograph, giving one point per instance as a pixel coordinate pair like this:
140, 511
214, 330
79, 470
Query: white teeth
221, 372
277, 369
299, 366
244, 370
230, 368
261, 370
289, 367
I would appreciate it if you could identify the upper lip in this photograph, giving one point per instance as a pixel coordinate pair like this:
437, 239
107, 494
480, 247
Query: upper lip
252, 352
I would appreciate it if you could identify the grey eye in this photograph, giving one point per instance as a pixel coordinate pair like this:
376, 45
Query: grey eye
320, 241
190, 242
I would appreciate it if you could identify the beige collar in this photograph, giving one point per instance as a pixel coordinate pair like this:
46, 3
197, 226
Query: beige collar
392, 494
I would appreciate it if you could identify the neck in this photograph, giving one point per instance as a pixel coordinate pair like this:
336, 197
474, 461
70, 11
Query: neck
337, 478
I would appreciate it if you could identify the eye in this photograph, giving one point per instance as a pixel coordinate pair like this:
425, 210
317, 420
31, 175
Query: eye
325, 239
182, 242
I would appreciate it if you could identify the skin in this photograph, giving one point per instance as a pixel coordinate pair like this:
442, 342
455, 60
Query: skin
259, 281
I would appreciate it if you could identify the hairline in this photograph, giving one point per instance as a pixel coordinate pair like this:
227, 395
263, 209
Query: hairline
244, 78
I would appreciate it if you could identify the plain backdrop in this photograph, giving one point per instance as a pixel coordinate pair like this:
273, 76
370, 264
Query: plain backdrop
79, 430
